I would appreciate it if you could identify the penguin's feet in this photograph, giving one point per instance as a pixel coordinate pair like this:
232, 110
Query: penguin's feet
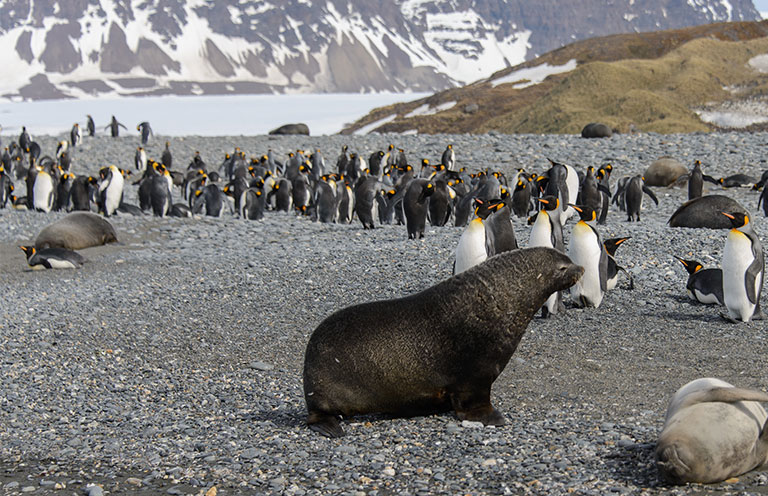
728, 318
327, 425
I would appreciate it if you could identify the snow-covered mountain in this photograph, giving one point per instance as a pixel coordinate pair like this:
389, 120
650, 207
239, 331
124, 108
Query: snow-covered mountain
83, 48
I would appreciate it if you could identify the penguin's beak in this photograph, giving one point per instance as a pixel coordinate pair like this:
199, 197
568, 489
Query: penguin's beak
579, 210
546, 202
728, 215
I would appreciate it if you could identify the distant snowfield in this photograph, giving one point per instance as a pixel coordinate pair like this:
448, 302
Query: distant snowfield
199, 115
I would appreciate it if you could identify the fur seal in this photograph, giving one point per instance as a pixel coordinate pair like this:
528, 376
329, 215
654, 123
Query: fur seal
596, 130
432, 351
76, 231
664, 171
705, 211
712, 431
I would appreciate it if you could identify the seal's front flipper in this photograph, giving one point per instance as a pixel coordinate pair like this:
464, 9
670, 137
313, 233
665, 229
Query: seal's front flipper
476, 407
327, 425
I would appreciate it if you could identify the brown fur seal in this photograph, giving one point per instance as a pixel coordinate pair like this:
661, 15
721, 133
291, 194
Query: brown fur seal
596, 130
76, 231
664, 171
433, 351
706, 211
713, 431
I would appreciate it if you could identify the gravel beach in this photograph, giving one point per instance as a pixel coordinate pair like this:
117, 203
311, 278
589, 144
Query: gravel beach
171, 363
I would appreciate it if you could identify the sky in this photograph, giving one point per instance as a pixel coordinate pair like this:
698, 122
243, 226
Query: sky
762, 7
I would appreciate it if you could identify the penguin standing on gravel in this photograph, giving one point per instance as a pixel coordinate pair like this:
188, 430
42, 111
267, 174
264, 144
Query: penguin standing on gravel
416, 206
114, 127
90, 126
43, 191
521, 197
211, 198
52, 258
167, 158
449, 158
611, 245
325, 201
75, 135
140, 159
586, 249
471, 249
110, 189
366, 205
633, 197
703, 285
146, 131
547, 231
696, 180
743, 269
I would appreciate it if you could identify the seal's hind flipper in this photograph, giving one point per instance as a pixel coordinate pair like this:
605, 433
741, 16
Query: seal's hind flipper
327, 425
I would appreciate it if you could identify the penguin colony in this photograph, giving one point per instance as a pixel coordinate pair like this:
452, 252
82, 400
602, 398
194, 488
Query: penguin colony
385, 188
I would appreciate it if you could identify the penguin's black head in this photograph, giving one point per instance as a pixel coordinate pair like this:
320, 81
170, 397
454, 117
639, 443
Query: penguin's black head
587, 214
692, 266
28, 250
504, 192
612, 244
424, 162
738, 219
550, 202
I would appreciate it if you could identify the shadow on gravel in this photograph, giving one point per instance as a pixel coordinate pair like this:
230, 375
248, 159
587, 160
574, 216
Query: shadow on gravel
634, 464
280, 418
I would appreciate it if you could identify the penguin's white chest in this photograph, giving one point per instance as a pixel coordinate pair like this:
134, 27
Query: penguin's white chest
737, 257
471, 248
114, 193
43, 192
541, 234
584, 250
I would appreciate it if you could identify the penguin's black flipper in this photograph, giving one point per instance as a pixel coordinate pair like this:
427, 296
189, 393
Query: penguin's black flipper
754, 271
710, 179
648, 191
602, 266
604, 189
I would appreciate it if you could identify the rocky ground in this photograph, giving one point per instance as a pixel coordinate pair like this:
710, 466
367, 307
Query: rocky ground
172, 362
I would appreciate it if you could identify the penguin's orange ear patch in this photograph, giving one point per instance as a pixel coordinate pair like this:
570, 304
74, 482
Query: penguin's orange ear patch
698, 268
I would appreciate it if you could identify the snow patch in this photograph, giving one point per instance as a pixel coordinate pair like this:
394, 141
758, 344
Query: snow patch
533, 75
373, 125
427, 109
731, 119
759, 63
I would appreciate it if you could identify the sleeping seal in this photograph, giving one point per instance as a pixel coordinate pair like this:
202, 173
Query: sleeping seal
713, 431
706, 211
76, 231
432, 351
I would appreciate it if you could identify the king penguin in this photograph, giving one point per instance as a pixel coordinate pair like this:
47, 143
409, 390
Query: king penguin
586, 249
146, 131
449, 158
43, 191
110, 189
703, 285
472, 249
52, 258
743, 269
611, 245
75, 135
547, 231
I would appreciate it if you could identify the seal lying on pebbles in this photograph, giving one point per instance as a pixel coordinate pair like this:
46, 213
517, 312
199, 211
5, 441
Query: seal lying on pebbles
76, 231
706, 211
433, 351
713, 431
